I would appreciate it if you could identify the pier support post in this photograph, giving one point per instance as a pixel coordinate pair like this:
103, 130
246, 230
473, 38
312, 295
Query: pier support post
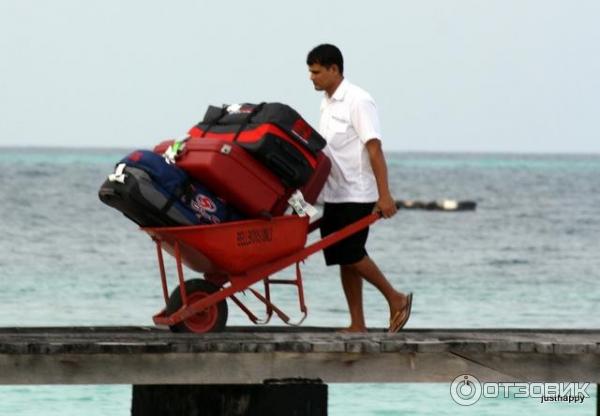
300, 397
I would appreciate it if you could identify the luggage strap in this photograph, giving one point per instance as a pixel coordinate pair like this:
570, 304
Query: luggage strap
182, 190
242, 126
247, 120
214, 121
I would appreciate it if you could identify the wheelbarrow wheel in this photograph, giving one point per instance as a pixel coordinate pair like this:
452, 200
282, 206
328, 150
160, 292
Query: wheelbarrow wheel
212, 319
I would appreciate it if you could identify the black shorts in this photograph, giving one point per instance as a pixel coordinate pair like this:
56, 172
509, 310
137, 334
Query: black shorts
335, 217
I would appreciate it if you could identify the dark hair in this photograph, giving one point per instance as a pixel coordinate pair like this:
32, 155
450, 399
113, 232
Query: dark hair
326, 55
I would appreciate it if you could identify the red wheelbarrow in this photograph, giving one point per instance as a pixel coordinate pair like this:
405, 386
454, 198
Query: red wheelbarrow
233, 256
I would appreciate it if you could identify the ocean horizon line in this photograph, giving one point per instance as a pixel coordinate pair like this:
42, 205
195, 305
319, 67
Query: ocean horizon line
392, 151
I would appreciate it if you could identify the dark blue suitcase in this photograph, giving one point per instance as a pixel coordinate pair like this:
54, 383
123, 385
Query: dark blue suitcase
153, 193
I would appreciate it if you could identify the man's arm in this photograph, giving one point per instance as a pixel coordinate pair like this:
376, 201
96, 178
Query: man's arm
385, 204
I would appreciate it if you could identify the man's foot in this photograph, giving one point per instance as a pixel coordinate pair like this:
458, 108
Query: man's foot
398, 304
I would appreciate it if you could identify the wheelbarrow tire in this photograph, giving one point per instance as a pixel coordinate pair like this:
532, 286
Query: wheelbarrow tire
213, 319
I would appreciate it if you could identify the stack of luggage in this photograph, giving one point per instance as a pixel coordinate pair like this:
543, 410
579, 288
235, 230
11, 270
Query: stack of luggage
240, 161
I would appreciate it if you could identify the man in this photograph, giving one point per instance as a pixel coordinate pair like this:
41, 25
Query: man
357, 184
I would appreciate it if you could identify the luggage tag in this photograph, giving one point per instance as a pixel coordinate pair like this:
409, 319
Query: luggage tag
118, 176
234, 108
300, 206
173, 151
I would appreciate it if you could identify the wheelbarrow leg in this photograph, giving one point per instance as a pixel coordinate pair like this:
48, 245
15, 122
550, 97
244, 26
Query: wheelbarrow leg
269, 306
161, 267
266, 299
267, 282
180, 274
274, 308
300, 286
255, 320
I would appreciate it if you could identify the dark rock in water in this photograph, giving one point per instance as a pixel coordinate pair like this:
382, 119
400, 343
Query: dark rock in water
441, 205
285, 397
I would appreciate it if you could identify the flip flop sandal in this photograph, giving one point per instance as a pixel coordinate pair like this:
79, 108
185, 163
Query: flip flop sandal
396, 324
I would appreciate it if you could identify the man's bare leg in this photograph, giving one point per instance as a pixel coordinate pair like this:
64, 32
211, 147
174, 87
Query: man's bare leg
368, 269
352, 284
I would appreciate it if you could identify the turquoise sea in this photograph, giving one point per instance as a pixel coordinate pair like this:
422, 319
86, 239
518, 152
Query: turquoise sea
527, 258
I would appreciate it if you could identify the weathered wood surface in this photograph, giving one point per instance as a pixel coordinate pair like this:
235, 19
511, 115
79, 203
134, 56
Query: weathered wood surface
143, 355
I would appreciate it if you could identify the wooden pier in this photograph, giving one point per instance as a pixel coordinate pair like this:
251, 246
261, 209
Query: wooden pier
144, 355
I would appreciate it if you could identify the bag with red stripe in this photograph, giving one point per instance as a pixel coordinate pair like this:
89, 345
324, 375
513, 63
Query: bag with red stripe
274, 133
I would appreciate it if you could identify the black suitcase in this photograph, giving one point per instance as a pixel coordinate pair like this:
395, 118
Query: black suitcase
139, 200
273, 133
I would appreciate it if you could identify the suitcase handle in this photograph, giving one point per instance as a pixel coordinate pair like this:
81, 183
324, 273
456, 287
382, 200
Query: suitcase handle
214, 120
247, 120
242, 126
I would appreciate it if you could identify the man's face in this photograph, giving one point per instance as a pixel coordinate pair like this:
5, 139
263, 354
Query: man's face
322, 77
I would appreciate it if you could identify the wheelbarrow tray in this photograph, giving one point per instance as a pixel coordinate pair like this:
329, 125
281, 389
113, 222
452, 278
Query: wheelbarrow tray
234, 247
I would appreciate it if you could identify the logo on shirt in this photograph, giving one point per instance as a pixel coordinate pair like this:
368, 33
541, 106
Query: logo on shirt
336, 118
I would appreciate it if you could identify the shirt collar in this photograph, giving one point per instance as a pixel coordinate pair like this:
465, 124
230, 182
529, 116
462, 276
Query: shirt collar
340, 91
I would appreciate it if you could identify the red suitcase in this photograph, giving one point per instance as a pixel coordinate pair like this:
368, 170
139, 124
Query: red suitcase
273, 133
231, 173
313, 187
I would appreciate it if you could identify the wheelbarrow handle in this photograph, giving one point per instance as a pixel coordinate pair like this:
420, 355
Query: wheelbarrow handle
317, 223
398, 204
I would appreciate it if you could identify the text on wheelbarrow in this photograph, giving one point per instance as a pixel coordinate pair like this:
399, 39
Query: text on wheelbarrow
254, 236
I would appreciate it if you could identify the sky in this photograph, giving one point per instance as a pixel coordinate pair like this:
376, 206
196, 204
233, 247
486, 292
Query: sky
447, 75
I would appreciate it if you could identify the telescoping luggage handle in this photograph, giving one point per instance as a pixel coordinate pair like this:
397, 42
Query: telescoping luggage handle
242, 126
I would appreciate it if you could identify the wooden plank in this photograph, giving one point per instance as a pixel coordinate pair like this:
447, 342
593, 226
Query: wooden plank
105, 355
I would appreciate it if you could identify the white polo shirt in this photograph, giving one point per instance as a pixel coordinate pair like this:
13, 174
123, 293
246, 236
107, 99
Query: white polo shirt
348, 120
